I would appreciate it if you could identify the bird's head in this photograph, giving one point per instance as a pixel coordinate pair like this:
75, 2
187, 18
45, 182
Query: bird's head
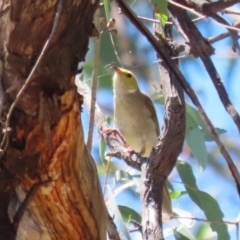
124, 80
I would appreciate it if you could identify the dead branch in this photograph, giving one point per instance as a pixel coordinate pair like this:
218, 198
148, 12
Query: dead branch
206, 7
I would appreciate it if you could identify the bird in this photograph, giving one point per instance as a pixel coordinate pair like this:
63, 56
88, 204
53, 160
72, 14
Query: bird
136, 119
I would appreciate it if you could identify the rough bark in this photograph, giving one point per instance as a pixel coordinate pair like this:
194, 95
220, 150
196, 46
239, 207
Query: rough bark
45, 141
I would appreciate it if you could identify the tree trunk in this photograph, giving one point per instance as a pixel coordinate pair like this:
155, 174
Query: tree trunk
45, 142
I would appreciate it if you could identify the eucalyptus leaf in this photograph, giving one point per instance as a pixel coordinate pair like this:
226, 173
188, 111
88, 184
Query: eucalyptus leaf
129, 214
190, 122
191, 111
177, 194
204, 201
197, 145
107, 8
161, 10
205, 232
182, 233
208, 137
102, 150
121, 175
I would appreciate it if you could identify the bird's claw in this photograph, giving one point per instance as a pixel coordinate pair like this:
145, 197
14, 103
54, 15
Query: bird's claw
115, 132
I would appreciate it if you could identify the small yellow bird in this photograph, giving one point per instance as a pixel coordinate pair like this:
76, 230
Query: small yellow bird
135, 117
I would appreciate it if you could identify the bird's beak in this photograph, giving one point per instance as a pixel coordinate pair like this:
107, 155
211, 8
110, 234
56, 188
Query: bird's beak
117, 70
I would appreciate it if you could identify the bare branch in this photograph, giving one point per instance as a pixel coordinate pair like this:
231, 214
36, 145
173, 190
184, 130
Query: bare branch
231, 11
233, 33
199, 13
163, 160
223, 35
208, 8
213, 7
112, 229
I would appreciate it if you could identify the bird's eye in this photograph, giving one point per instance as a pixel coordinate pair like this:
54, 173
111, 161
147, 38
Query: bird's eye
129, 75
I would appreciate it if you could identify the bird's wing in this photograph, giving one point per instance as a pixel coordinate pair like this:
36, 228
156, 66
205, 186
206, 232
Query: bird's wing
152, 112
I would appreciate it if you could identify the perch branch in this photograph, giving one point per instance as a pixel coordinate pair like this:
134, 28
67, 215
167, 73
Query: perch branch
162, 161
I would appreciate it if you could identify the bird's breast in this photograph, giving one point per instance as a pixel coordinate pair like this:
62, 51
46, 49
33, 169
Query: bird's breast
136, 127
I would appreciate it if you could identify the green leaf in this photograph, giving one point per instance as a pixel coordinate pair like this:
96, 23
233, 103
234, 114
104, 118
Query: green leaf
196, 143
179, 236
101, 170
161, 11
181, 233
190, 122
204, 201
121, 175
102, 149
208, 137
191, 111
109, 120
205, 232
195, 115
159, 98
129, 214
195, 137
177, 194
107, 8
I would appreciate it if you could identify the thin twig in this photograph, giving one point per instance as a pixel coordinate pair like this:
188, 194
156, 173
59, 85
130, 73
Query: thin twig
167, 23
186, 8
201, 15
233, 34
178, 27
211, 39
153, 20
29, 78
111, 228
204, 220
107, 13
216, 6
202, 49
96, 62
231, 11
218, 37
141, 27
